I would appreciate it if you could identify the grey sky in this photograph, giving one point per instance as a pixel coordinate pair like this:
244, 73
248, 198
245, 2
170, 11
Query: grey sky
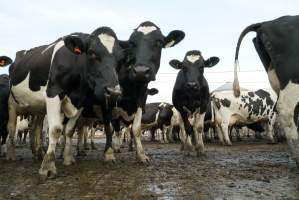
210, 26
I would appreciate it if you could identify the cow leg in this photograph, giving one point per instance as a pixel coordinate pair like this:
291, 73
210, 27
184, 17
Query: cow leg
19, 137
137, 137
224, 128
269, 129
131, 142
108, 153
3, 138
39, 151
92, 134
198, 132
116, 142
80, 149
48, 167
220, 134
25, 136
68, 156
170, 134
85, 137
165, 133
288, 109
11, 127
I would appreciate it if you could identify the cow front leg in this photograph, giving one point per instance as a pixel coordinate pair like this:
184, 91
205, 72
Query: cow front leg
68, 156
198, 131
224, 128
136, 129
116, 140
92, 134
39, 151
80, 148
48, 168
108, 152
11, 127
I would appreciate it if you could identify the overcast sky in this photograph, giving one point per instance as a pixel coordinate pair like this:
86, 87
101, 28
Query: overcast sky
212, 27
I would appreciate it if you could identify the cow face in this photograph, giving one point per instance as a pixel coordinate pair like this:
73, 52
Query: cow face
102, 53
4, 60
144, 50
192, 68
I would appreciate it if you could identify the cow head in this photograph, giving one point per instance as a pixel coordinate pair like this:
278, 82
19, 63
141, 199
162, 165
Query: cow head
4, 60
102, 52
144, 50
192, 68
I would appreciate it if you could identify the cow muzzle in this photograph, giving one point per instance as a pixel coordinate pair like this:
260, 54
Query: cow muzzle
193, 85
113, 92
141, 73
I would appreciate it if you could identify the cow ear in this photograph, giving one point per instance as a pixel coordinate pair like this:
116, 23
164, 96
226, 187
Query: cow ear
211, 61
152, 91
176, 64
173, 38
4, 60
74, 44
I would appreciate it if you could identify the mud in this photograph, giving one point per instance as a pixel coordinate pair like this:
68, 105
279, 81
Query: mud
247, 170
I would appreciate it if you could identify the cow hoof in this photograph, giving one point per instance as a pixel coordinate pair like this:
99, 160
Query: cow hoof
109, 156
229, 143
143, 158
48, 168
69, 160
81, 153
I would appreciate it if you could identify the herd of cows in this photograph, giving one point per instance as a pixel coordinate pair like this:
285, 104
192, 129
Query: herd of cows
82, 79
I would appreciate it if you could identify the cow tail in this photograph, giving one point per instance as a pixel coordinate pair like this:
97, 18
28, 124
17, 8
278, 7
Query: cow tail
236, 85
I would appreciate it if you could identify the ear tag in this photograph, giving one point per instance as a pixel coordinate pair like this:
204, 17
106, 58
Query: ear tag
77, 50
2, 62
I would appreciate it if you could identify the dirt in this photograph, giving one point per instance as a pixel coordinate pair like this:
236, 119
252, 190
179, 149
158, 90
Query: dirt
246, 170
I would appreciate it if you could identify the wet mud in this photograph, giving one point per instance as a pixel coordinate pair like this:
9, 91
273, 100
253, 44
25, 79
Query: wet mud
246, 170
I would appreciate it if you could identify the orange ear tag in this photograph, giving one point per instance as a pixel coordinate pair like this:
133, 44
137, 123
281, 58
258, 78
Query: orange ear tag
77, 50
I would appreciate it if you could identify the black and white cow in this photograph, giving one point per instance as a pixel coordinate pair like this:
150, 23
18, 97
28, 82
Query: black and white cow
248, 108
191, 97
56, 79
4, 94
277, 44
140, 67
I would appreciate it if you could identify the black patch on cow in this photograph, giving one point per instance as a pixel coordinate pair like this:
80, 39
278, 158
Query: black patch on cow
251, 94
296, 114
225, 102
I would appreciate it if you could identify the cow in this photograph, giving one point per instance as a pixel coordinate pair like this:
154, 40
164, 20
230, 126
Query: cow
56, 80
143, 55
250, 107
4, 94
277, 43
22, 128
191, 97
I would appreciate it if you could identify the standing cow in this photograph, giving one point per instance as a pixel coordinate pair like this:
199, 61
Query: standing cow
56, 79
191, 97
277, 44
250, 107
143, 55
4, 94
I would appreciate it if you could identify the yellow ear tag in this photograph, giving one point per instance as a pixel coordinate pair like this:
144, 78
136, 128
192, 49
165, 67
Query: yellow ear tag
77, 50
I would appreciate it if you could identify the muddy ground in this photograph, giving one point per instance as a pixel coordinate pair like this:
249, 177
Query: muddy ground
247, 170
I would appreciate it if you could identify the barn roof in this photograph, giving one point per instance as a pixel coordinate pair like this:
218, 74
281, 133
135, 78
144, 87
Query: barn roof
227, 86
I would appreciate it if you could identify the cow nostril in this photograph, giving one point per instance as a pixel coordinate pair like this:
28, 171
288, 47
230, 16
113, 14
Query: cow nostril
192, 84
113, 91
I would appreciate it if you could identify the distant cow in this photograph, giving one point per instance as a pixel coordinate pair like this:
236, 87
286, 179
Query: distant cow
4, 94
143, 55
277, 44
56, 80
191, 97
250, 107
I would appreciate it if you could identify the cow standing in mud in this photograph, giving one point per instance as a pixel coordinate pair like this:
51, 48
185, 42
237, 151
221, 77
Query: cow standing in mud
4, 94
191, 97
277, 44
56, 79
250, 107
143, 55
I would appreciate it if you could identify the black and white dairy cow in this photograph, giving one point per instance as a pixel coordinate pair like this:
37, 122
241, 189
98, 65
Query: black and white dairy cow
161, 116
250, 107
143, 55
4, 94
277, 44
56, 79
191, 97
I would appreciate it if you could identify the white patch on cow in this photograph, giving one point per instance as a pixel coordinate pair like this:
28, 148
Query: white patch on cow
68, 108
273, 79
28, 100
146, 126
146, 29
22, 125
193, 58
58, 45
287, 101
108, 41
162, 104
46, 49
